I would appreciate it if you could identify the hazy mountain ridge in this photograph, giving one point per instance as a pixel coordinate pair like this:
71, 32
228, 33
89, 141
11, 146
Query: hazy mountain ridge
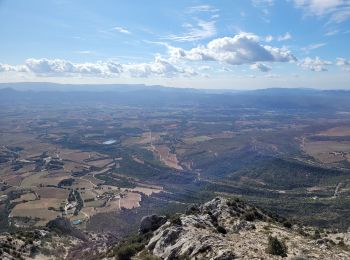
270, 98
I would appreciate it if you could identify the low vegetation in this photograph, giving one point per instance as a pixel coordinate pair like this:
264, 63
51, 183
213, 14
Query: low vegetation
276, 247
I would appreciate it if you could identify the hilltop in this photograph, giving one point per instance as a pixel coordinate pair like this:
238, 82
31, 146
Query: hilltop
224, 229
221, 229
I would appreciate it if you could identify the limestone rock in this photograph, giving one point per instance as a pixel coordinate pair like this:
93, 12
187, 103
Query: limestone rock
198, 234
151, 223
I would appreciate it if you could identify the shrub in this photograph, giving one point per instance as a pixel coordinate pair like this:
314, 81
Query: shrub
252, 215
214, 220
130, 246
276, 247
125, 252
221, 229
199, 225
317, 234
176, 221
287, 224
146, 255
343, 246
194, 209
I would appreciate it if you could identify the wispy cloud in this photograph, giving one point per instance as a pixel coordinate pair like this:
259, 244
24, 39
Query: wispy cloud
337, 10
202, 8
313, 47
121, 30
331, 32
280, 38
194, 32
260, 66
269, 38
264, 6
343, 63
285, 37
198, 28
263, 3
85, 52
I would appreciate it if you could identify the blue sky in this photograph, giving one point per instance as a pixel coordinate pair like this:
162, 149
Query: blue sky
241, 44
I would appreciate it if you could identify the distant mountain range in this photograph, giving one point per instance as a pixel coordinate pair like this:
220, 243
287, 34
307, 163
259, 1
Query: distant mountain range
46, 86
272, 98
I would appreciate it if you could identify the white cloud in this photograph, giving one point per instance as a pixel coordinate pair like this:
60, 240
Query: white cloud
121, 30
285, 37
260, 3
200, 30
160, 67
269, 38
260, 66
61, 68
202, 8
7, 68
85, 52
337, 10
243, 48
343, 63
314, 64
313, 47
272, 76
331, 33
341, 15
264, 6
204, 68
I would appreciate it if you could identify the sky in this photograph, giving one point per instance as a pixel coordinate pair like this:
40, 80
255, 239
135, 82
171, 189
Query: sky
233, 44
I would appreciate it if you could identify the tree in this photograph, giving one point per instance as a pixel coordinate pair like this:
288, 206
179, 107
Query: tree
276, 247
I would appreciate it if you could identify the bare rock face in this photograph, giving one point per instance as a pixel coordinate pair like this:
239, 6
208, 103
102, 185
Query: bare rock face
224, 229
151, 223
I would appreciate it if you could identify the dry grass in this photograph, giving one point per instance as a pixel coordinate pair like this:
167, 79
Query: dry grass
169, 159
50, 192
37, 209
131, 200
323, 150
337, 131
147, 191
27, 197
44, 178
197, 139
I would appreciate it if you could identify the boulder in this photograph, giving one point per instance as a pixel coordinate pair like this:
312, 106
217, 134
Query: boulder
151, 223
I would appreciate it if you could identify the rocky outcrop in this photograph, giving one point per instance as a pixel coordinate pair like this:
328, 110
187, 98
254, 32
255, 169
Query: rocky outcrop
63, 226
151, 223
225, 229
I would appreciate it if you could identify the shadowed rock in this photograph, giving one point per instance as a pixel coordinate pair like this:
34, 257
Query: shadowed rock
63, 226
151, 223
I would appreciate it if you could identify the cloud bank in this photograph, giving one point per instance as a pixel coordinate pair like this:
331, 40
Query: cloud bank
57, 67
243, 48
